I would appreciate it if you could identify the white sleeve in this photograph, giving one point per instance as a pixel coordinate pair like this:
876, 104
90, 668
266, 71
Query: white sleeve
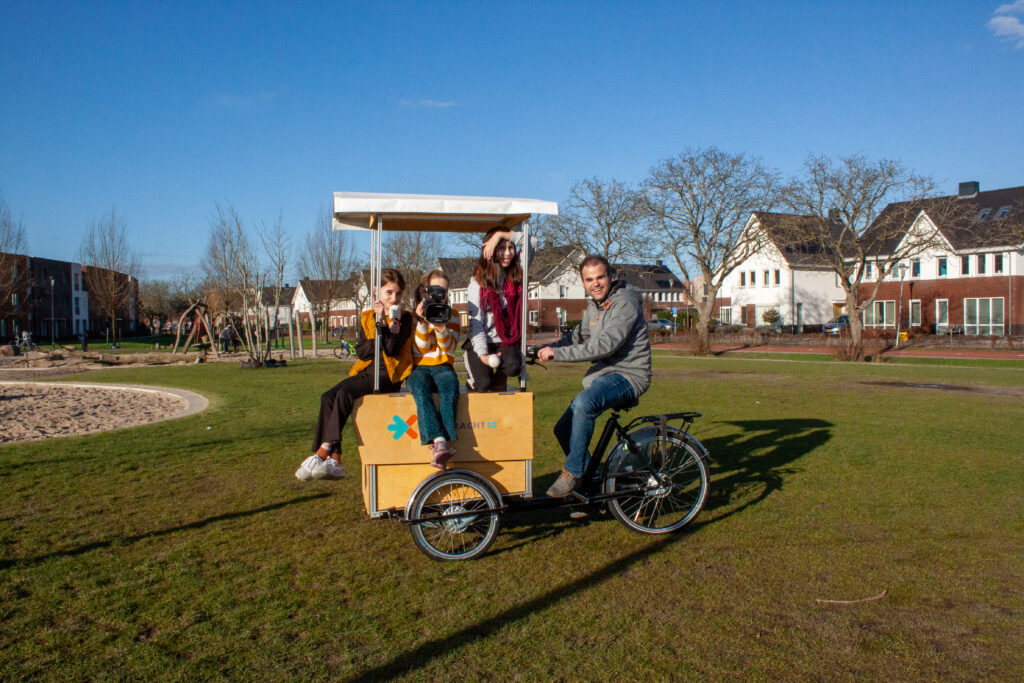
477, 324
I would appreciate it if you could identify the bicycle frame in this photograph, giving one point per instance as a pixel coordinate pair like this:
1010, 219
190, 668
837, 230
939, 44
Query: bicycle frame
591, 487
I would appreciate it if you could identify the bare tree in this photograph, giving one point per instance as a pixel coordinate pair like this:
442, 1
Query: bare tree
412, 254
699, 204
14, 275
864, 211
111, 267
602, 217
155, 302
329, 260
277, 250
232, 264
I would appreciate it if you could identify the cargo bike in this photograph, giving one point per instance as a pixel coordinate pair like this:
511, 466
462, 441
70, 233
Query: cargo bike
652, 475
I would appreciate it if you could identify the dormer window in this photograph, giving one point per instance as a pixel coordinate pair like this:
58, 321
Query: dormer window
983, 214
1002, 212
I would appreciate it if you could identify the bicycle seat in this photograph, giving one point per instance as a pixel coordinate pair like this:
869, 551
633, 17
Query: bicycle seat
629, 405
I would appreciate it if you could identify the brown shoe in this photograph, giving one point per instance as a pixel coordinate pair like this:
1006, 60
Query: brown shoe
563, 486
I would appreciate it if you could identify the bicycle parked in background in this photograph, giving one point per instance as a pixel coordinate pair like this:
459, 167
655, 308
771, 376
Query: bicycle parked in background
345, 350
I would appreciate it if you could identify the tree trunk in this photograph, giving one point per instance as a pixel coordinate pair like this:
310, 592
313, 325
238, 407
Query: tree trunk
702, 347
856, 328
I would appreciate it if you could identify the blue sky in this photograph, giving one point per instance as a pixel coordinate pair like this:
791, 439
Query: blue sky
164, 109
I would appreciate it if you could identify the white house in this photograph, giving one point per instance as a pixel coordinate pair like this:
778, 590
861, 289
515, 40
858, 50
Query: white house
792, 280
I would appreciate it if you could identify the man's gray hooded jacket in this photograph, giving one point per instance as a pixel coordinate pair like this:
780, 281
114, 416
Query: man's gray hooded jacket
612, 335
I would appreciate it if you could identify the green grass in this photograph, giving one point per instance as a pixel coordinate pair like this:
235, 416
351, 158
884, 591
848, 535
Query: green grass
186, 549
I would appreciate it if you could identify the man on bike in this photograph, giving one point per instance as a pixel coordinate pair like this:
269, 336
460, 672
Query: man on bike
613, 337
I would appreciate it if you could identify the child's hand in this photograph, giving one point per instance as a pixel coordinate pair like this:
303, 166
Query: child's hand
419, 310
378, 310
492, 244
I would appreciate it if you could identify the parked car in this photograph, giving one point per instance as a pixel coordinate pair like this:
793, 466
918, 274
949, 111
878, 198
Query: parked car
836, 325
660, 325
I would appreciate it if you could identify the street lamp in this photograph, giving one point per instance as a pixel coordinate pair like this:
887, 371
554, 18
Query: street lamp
903, 273
53, 282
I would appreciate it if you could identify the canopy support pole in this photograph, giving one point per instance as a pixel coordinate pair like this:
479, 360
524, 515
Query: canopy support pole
375, 278
525, 313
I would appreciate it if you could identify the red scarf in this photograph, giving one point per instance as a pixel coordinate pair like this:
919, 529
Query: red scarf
506, 319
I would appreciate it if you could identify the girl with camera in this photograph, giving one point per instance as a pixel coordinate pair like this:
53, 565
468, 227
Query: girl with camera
433, 357
395, 329
495, 308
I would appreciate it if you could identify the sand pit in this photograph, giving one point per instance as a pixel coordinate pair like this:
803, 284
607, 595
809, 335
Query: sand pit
43, 410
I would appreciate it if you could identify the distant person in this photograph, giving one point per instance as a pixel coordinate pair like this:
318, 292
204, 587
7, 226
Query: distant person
396, 363
613, 338
495, 309
235, 340
225, 338
85, 341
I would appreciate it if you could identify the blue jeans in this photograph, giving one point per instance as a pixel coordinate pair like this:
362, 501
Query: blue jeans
423, 382
576, 426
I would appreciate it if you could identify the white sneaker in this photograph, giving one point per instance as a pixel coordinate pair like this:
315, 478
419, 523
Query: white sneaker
329, 468
305, 471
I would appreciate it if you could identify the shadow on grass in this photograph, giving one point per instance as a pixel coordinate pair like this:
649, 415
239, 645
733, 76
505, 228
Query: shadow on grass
198, 524
440, 647
751, 464
748, 466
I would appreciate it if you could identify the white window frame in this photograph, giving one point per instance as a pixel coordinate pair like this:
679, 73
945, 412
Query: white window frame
987, 312
911, 322
982, 264
942, 262
965, 265
941, 322
887, 307
998, 264
725, 314
778, 277
766, 279
535, 317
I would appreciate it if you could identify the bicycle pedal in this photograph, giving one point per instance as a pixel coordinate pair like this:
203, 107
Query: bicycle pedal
580, 497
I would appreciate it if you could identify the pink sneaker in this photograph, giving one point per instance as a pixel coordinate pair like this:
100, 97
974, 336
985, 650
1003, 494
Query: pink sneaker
442, 454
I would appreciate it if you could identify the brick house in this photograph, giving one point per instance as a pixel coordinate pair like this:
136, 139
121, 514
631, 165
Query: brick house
973, 284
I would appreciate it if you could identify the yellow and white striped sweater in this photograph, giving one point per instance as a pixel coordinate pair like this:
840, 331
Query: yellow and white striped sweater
435, 348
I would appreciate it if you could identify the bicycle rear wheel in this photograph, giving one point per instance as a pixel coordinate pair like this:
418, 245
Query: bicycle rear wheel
663, 483
451, 532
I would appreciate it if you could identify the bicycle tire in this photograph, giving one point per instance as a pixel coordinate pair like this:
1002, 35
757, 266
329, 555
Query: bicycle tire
459, 538
342, 352
658, 507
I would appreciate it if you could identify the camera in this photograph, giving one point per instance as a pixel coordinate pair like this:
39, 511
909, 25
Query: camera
435, 305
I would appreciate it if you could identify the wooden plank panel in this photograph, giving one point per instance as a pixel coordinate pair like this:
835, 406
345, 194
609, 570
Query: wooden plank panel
491, 427
395, 483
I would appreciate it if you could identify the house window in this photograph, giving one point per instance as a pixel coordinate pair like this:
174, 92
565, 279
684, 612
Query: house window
764, 281
983, 214
753, 278
997, 266
880, 314
759, 312
743, 315
941, 316
705, 289
1003, 212
76, 282
868, 271
915, 268
563, 291
15, 300
534, 318
76, 306
965, 265
983, 316
942, 266
725, 314
743, 279
915, 313
778, 277
981, 264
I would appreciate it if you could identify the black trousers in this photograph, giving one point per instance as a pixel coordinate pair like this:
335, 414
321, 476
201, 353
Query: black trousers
484, 377
336, 406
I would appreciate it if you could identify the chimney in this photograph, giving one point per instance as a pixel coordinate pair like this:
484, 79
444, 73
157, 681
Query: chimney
969, 188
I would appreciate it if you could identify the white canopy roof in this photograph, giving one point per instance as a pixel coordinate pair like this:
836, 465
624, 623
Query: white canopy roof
433, 212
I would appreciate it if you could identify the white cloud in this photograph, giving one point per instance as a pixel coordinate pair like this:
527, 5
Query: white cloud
1008, 28
1011, 8
428, 104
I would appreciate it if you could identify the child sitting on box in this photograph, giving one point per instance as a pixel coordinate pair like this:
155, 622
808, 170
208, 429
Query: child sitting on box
433, 357
395, 330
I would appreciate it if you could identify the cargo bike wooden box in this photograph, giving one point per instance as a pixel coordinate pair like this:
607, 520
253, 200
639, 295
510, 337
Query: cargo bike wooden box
654, 480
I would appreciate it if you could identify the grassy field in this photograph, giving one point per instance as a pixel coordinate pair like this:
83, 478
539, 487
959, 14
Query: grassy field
187, 549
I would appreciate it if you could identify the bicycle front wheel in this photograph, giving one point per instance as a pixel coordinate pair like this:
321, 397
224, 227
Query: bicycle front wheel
661, 485
450, 530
